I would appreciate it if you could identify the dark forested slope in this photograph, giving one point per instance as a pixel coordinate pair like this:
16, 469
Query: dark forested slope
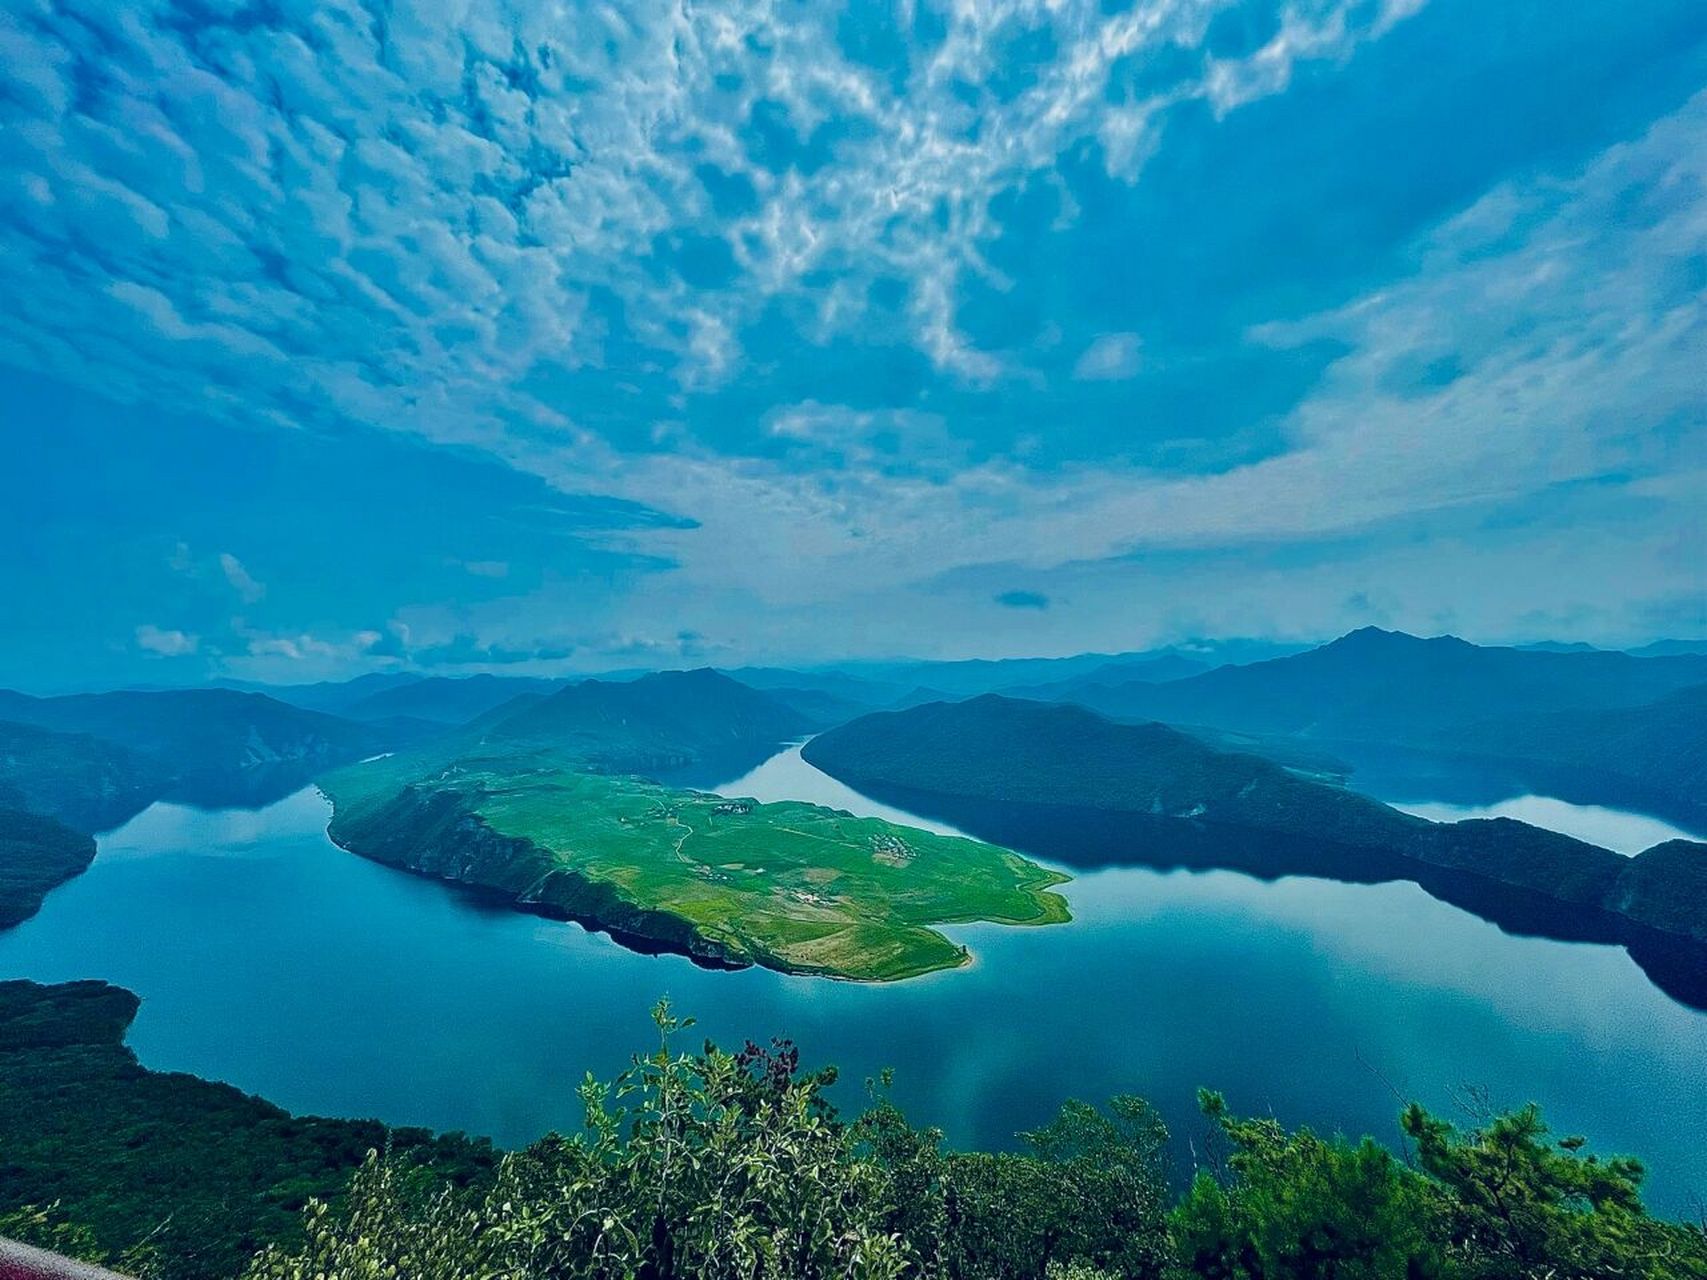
36, 854
983, 763
202, 1173
659, 721
81, 780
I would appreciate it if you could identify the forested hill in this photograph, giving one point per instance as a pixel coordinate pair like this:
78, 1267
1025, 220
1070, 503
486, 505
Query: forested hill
74, 766
1593, 726
162, 1172
83, 781
1013, 749
199, 731
37, 853
667, 718
983, 763
1654, 754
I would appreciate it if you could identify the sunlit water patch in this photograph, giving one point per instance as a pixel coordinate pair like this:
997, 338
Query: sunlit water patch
1615, 829
269, 958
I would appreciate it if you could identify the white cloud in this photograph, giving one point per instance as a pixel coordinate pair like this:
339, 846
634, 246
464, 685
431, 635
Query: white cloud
299, 218
247, 589
165, 642
1503, 368
295, 223
1111, 358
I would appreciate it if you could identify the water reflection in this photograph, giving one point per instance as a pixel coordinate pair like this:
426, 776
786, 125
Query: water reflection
268, 958
1615, 829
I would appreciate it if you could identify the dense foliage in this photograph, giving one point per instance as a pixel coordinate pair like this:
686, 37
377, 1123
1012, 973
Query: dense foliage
159, 1171
36, 854
111, 754
719, 1166
735, 1166
88, 784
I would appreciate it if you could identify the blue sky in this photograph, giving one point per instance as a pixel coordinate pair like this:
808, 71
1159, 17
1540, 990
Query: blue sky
537, 337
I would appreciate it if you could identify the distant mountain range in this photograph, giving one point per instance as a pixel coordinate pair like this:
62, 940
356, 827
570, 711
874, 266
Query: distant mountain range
1388, 686
1064, 782
1543, 714
197, 729
877, 685
447, 700
1584, 724
76, 765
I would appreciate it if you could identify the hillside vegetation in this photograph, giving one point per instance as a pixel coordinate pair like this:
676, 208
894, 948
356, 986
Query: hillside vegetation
73, 766
789, 886
1003, 754
1656, 752
160, 1172
36, 854
657, 722
209, 746
718, 1165
78, 779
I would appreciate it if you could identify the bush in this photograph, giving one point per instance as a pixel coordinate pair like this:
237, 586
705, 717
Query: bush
735, 1167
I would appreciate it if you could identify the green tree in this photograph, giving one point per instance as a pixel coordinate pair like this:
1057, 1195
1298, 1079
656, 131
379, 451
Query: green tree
1521, 1207
1092, 1189
718, 1166
689, 1167
1294, 1206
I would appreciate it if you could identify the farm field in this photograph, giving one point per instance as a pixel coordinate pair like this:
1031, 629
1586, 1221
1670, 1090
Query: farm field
792, 886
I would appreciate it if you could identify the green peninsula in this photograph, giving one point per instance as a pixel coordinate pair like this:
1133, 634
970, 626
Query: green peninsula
790, 886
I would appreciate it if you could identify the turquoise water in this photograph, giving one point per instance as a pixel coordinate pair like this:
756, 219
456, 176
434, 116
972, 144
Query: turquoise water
268, 958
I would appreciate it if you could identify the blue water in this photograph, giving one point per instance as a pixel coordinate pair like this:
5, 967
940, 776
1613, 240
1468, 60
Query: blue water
1615, 829
268, 958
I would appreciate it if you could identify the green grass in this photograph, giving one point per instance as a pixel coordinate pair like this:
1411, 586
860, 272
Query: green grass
791, 886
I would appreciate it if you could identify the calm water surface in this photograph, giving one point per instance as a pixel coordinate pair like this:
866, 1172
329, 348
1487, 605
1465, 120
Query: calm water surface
268, 958
1626, 833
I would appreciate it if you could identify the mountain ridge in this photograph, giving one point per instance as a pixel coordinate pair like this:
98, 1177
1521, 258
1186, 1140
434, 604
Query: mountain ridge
996, 765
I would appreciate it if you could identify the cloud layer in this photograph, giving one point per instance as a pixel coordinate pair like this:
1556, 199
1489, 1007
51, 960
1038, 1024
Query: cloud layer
832, 322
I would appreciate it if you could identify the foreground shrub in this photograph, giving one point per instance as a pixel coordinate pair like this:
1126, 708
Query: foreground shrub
1518, 1206
695, 1166
1296, 1205
722, 1166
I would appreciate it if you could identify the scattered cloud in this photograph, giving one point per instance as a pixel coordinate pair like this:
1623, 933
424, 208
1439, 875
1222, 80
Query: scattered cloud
811, 328
1111, 358
166, 642
247, 589
398, 219
465, 650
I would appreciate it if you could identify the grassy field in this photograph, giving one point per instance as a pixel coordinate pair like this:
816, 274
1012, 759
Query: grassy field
792, 886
